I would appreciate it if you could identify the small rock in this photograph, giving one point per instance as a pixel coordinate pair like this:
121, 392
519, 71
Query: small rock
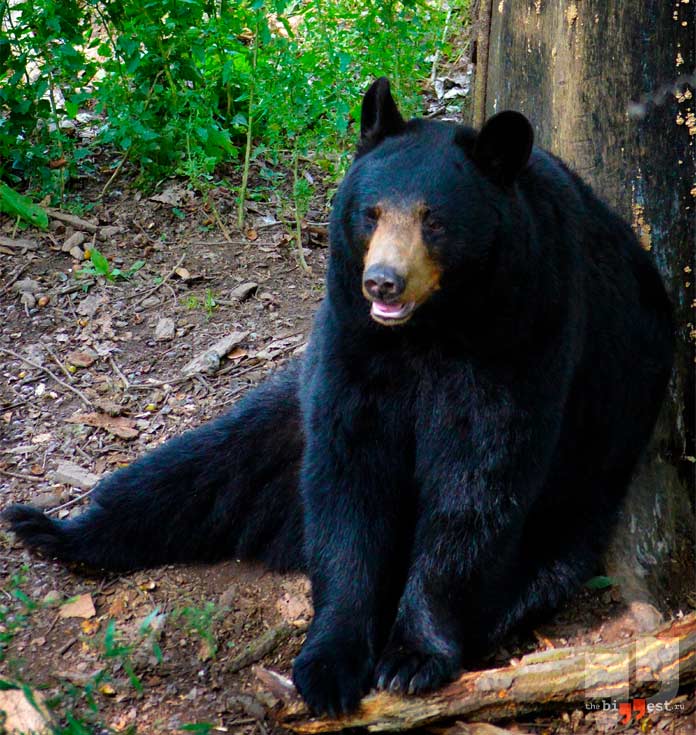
45, 500
27, 285
69, 473
248, 704
244, 291
108, 407
82, 358
74, 241
149, 301
165, 329
646, 616
89, 305
77, 253
28, 299
228, 597
22, 715
109, 232
35, 352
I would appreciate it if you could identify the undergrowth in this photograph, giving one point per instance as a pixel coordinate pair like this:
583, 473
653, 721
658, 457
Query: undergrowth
198, 88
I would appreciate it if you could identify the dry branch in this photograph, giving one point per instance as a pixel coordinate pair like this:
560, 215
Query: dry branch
70, 219
562, 678
264, 645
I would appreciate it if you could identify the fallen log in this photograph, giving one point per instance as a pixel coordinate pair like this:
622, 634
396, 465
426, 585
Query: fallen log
653, 664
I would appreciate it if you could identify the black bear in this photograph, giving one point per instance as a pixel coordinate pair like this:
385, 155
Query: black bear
448, 457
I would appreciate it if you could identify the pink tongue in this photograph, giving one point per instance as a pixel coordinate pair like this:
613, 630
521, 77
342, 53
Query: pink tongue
388, 308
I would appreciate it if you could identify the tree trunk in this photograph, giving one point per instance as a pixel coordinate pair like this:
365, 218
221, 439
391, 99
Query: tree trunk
597, 80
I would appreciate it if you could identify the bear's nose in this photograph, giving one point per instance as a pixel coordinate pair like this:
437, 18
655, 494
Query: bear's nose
383, 283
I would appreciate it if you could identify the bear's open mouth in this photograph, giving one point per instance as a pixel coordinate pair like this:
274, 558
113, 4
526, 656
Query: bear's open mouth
392, 313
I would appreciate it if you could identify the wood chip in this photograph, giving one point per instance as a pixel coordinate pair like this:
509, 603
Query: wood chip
74, 241
244, 291
209, 361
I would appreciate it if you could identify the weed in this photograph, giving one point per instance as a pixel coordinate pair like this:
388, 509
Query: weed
209, 302
191, 301
15, 616
201, 621
99, 266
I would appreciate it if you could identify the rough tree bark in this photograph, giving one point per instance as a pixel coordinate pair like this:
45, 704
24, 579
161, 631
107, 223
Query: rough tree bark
651, 665
576, 68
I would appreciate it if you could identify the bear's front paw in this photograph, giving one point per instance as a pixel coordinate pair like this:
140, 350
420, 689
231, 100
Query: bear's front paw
406, 669
332, 677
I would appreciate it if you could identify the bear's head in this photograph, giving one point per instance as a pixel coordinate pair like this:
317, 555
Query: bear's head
418, 214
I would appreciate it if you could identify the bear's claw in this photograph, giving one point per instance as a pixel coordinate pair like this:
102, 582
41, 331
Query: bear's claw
410, 671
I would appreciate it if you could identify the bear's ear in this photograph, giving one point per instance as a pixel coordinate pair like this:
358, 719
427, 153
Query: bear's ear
503, 146
380, 117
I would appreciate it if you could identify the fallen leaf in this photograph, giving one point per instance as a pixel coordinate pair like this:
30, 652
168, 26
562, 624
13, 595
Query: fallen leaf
78, 607
237, 354
89, 627
295, 605
82, 358
116, 425
175, 196
107, 406
118, 607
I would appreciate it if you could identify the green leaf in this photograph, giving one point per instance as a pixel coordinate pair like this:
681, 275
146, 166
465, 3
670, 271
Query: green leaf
20, 206
7, 685
201, 727
100, 263
601, 583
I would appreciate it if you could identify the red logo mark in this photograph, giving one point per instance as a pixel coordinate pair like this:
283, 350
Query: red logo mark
627, 709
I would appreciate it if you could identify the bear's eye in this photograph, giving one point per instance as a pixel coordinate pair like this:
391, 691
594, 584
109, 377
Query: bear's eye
372, 214
432, 223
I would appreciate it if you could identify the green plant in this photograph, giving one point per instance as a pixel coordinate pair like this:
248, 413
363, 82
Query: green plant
99, 266
209, 302
22, 207
201, 621
44, 74
200, 727
16, 615
113, 646
184, 86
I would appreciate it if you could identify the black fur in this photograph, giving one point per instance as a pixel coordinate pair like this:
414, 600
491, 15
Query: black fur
451, 477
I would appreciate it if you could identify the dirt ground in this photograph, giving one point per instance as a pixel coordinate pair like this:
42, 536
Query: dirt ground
92, 375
